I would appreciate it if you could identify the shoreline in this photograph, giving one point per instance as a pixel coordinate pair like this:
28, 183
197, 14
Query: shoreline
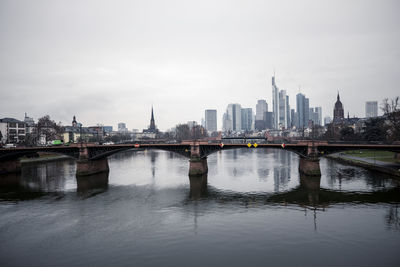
360, 163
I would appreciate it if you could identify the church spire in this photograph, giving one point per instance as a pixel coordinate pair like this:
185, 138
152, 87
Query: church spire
152, 123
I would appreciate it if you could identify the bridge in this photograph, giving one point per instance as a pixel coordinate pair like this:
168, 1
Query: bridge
92, 158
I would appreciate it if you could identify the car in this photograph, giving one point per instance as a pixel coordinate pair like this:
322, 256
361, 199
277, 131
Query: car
10, 146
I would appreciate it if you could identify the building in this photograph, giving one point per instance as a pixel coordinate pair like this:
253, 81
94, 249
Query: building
232, 119
338, 111
275, 103
211, 120
261, 108
288, 114
302, 110
226, 123
318, 110
152, 127
12, 130
246, 118
29, 124
282, 110
107, 129
269, 120
122, 127
327, 120
371, 109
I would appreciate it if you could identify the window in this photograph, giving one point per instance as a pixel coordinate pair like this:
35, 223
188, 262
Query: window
21, 125
12, 125
12, 131
21, 131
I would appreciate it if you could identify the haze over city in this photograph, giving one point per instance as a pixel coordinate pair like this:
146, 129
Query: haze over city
109, 63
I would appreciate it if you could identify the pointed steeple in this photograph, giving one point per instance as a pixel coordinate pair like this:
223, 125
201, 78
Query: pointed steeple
152, 123
338, 97
74, 123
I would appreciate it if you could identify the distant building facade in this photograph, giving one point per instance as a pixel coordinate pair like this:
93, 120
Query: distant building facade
211, 120
12, 130
232, 119
246, 118
302, 110
275, 103
122, 127
371, 109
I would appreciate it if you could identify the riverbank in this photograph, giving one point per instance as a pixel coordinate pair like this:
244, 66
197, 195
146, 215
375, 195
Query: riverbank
391, 168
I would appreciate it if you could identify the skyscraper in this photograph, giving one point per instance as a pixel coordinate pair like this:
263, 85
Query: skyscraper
261, 108
211, 120
288, 114
302, 108
247, 118
232, 119
282, 109
318, 110
275, 103
371, 109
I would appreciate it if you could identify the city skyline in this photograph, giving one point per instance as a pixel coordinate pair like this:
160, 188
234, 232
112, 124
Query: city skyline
110, 64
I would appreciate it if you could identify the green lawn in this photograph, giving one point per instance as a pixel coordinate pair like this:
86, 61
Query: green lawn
386, 156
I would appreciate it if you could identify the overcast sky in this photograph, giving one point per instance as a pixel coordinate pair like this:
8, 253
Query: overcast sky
110, 61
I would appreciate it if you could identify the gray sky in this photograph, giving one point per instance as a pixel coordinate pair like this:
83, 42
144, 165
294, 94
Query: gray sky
109, 61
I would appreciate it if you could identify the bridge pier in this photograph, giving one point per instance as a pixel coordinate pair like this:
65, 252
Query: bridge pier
309, 166
85, 166
198, 164
10, 166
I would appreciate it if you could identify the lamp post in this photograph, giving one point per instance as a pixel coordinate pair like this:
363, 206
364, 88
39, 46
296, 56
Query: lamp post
80, 133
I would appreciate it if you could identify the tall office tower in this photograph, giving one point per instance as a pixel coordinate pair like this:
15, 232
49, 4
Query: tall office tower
269, 120
306, 110
318, 110
226, 123
302, 108
371, 109
282, 109
261, 108
247, 118
211, 120
288, 115
292, 118
233, 117
275, 103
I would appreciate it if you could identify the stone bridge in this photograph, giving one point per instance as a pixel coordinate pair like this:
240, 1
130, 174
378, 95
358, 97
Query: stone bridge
92, 158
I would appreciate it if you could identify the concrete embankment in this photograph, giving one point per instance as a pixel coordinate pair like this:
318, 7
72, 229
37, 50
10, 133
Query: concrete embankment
374, 165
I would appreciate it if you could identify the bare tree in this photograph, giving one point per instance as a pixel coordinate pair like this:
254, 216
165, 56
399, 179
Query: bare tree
48, 128
391, 110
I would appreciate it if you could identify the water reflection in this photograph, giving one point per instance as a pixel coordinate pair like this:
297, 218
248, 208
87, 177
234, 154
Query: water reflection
92, 184
198, 187
163, 217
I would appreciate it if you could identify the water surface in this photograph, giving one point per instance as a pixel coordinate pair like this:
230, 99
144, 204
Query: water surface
252, 209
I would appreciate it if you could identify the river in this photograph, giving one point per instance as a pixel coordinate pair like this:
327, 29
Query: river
252, 209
